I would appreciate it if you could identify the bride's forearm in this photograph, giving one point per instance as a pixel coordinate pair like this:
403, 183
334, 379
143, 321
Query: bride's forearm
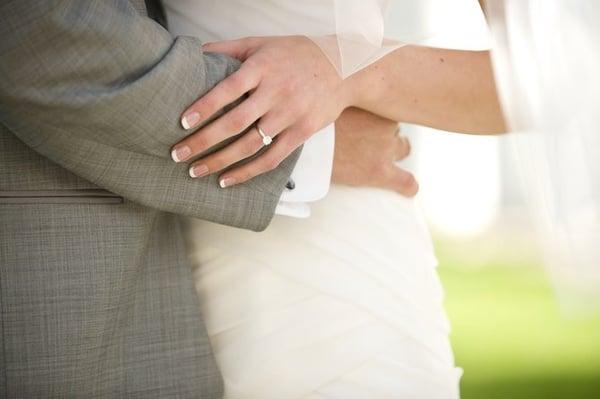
445, 89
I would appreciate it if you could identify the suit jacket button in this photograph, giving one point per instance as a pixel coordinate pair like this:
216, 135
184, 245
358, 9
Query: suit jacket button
290, 185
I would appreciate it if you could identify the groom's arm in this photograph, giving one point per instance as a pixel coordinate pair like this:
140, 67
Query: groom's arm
98, 88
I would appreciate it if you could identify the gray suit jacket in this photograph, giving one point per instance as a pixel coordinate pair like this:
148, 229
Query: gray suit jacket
96, 296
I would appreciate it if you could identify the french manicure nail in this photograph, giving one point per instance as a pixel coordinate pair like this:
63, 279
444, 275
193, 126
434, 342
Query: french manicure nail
190, 120
198, 171
226, 182
181, 153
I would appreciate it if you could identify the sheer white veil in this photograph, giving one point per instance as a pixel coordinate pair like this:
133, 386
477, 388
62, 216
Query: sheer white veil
362, 31
546, 57
357, 34
547, 60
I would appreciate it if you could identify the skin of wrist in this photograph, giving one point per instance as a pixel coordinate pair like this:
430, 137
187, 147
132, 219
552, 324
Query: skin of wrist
365, 87
386, 87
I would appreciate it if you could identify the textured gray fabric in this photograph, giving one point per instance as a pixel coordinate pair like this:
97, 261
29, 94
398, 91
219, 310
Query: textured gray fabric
139, 5
97, 301
96, 296
99, 89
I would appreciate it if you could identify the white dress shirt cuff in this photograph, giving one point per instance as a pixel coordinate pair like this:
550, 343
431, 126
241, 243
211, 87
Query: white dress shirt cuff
311, 177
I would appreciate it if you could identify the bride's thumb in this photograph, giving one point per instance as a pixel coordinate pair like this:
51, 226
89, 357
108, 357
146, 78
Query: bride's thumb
239, 49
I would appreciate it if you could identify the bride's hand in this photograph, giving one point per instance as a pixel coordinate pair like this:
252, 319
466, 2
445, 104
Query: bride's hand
294, 91
367, 147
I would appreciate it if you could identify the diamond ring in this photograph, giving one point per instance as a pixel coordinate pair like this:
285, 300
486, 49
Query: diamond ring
266, 139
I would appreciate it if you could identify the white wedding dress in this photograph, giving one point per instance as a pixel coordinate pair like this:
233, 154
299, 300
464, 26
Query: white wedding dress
345, 304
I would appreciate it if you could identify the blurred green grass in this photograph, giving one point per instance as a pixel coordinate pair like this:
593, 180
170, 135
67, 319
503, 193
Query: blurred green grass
509, 335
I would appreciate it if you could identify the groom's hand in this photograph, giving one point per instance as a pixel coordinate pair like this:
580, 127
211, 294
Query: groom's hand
366, 149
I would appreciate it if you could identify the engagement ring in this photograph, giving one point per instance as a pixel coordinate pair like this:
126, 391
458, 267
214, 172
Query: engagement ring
266, 139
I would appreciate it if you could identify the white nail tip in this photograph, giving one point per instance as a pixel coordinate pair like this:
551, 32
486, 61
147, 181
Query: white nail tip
174, 156
222, 183
190, 121
191, 171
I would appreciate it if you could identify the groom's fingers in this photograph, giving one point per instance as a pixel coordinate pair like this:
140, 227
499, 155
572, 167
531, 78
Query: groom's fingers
402, 181
402, 148
227, 91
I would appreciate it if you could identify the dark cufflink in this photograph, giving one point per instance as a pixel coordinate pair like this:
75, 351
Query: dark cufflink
290, 185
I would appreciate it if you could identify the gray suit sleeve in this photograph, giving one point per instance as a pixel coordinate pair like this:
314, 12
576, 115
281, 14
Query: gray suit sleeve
99, 89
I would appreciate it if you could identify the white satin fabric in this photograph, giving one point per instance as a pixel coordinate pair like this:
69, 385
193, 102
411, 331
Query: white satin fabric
346, 304
343, 305
547, 64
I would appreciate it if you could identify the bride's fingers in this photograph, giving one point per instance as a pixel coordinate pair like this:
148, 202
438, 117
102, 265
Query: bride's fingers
244, 147
231, 124
240, 48
271, 124
402, 181
227, 91
281, 148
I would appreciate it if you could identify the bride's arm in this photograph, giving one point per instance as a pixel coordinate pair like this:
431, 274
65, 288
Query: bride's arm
450, 90
445, 89
295, 91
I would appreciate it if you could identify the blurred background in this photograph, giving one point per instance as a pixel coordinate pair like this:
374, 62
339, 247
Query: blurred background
509, 333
